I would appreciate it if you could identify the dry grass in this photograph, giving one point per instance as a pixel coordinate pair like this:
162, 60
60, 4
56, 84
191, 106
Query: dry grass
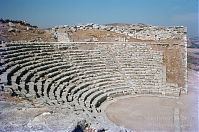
29, 35
101, 35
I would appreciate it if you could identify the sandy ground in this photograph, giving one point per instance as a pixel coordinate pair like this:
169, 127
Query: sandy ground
159, 114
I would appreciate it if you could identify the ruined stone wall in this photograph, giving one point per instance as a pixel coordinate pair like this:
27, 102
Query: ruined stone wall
175, 62
152, 32
159, 67
167, 62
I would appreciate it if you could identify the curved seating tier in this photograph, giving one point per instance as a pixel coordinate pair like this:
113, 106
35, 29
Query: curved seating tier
83, 78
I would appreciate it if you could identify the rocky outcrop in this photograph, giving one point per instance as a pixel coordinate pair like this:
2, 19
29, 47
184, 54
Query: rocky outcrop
136, 31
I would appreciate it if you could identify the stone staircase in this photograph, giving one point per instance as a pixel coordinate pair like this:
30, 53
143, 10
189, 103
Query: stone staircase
67, 74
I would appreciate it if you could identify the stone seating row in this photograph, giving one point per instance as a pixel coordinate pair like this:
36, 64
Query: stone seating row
31, 65
26, 50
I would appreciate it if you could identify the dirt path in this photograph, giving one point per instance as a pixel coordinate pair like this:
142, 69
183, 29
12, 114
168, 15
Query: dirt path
159, 114
63, 37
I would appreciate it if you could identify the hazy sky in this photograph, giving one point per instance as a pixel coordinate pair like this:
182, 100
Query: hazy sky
45, 13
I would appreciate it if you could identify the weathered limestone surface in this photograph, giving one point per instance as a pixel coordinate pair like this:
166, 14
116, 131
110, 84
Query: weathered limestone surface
84, 75
64, 72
